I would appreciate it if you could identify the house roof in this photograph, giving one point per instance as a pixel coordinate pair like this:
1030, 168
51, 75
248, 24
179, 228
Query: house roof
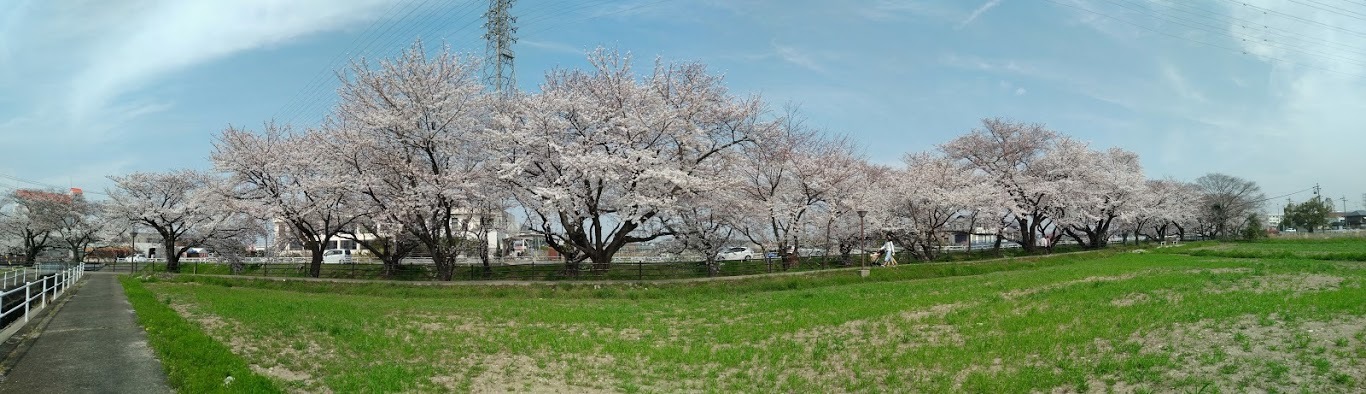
1356, 213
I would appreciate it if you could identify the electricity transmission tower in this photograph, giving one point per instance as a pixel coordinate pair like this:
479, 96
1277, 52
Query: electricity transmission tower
498, 69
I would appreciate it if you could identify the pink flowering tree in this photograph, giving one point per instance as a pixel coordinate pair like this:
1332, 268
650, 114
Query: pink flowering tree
602, 158
412, 138
186, 208
280, 175
1009, 155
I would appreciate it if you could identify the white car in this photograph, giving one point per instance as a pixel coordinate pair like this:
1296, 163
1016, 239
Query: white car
133, 259
337, 256
736, 253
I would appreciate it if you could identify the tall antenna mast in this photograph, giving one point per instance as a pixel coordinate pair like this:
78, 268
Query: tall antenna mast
499, 23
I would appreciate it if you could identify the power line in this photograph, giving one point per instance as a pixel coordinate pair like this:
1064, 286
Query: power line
1286, 195
1271, 11
425, 25
318, 78
1236, 50
627, 9
1190, 9
316, 88
1220, 31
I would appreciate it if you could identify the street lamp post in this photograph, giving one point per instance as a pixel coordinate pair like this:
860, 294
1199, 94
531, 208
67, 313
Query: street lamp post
862, 241
133, 246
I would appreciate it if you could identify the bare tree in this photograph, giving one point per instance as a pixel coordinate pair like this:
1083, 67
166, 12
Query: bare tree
1225, 203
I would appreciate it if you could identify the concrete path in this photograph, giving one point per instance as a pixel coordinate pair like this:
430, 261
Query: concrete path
89, 344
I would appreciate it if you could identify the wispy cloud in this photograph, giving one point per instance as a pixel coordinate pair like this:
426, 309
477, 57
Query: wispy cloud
883, 10
89, 83
554, 46
168, 36
797, 56
978, 12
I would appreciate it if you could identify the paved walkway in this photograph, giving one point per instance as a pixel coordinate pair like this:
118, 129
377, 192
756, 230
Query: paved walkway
92, 344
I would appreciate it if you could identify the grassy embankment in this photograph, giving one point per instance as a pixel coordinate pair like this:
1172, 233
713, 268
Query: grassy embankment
1141, 322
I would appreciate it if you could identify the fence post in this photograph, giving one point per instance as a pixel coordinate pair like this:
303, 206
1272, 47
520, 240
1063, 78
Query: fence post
353, 269
640, 270
44, 289
28, 298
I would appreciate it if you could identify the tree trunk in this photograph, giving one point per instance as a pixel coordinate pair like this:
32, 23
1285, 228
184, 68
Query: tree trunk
1028, 238
172, 255
315, 261
713, 268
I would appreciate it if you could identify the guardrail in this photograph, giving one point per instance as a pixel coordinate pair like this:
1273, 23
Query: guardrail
16, 276
37, 294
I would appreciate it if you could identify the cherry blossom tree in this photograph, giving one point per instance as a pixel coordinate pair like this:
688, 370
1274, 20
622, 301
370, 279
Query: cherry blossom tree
81, 223
1096, 189
1165, 205
870, 191
601, 158
412, 136
928, 195
790, 174
32, 217
186, 208
279, 175
1009, 154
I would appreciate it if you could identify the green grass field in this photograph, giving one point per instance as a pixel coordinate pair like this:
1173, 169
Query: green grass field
1127, 322
1336, 248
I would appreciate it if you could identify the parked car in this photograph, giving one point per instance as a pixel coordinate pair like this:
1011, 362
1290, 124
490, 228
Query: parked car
337, 256
138, 258
736, 253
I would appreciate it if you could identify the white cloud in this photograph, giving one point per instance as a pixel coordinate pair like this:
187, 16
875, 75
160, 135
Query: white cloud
169, 36
1020, 91
978, 12
85, 93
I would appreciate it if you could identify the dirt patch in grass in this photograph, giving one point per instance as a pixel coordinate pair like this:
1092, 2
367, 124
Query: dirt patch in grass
1130, 299
516, 373
1265, 354
1017, 293
1219, 271
1295, 283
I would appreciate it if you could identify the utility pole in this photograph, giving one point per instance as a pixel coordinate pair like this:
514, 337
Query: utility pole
500, 27
1316, 190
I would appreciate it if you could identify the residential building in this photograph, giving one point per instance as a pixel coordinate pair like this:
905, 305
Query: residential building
502, 227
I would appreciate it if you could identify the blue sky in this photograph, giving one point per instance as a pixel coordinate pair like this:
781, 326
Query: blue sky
1269, 90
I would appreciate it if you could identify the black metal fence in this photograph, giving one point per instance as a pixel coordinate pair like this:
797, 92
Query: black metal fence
522, 271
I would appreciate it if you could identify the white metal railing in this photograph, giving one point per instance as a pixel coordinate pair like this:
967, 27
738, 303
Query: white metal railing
16, 276
38, 289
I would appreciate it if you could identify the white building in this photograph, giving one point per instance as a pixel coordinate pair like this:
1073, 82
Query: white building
501, 227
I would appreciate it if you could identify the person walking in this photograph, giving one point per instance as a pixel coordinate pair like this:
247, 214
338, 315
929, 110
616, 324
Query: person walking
888, 252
